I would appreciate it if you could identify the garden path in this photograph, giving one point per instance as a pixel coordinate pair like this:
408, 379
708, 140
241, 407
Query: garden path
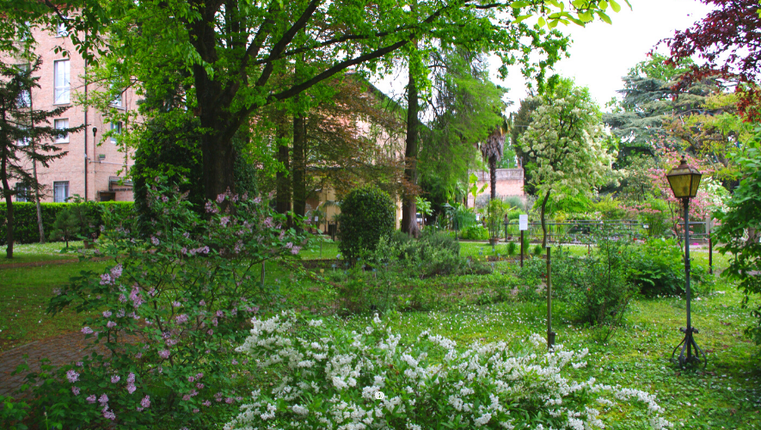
62, 349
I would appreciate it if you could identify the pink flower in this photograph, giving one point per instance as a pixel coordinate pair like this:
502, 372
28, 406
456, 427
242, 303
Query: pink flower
75, 390
199, 376
91, 398
72, 376
122, 298
206, 403
105, 279
109, 415
199, 386
146, 402
186, 397
103, 399
176, 304
116, 271
131, 388
221, 198
191, 379
79, 364
195, 411
202, 303
110, 324
131, 378
295, 250
115, 379
181, 319
139, 355
154, 241
164, 354
87, 330
229, 400
210, 332
106, 314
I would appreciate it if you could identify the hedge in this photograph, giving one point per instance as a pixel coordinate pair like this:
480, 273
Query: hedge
25, 226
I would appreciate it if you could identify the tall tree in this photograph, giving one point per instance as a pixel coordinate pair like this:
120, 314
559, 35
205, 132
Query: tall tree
566, 140
728, 41
20, 125
492, 149
465, 107
649, 102
233, 53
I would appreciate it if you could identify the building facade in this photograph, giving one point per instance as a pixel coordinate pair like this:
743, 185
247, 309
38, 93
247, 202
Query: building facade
95, 165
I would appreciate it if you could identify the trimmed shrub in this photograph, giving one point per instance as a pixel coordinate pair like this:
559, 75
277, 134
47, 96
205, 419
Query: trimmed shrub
367, 214
25, 225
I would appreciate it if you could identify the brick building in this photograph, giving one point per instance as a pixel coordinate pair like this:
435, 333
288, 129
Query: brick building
95, 165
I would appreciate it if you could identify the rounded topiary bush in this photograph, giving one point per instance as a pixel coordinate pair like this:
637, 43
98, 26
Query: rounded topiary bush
367, 214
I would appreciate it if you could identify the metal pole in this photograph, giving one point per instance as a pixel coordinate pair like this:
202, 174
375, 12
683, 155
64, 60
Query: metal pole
550, 333
522, 248
687, 270
688, 343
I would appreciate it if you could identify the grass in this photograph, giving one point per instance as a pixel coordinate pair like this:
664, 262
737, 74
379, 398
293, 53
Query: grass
35, 252
726, 395
24, 296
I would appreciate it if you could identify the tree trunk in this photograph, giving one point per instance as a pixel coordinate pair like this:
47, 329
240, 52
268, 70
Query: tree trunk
544, 224
283, 198
299, 165
409, 208
493, 176
40, 224
8, 209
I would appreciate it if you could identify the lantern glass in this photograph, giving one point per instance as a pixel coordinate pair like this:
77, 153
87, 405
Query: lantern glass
684, 180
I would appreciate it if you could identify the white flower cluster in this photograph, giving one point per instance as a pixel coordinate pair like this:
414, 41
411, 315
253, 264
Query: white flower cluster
333, 379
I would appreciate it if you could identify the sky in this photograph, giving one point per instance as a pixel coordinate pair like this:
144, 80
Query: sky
602, 53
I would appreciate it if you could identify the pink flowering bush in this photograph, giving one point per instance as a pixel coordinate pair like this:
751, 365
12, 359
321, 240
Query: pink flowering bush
167, 316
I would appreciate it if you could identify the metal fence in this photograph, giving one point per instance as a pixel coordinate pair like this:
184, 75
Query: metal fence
581, 231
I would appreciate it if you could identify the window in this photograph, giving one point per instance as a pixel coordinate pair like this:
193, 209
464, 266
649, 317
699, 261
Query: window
24, 99
60, 191
116, 129
117, 100
62, 83
22, 192
62, 124
60, 29
24, 140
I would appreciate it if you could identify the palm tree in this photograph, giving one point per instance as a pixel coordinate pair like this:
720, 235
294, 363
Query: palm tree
492, 151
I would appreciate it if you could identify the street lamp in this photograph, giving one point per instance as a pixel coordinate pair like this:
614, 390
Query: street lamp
684, 181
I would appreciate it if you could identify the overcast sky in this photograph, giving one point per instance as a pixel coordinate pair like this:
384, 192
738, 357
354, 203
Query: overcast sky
602, 53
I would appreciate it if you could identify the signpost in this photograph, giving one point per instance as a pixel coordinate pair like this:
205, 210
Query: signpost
522, 226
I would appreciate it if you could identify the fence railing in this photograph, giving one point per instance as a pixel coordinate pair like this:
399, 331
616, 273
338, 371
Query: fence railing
580, 231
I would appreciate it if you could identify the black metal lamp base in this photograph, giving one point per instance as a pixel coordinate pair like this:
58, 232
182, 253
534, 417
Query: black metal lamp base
688, 343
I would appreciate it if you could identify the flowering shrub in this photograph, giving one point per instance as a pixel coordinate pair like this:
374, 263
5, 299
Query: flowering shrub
329, 378
166, 317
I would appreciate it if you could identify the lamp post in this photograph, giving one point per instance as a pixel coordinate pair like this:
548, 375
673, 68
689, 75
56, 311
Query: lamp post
684, 181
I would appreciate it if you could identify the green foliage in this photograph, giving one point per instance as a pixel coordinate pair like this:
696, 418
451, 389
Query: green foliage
658, 269
596, 288
26, 230
13, 413
367, 214
65, 226
496, 210
181, 297
739, 233
474, 232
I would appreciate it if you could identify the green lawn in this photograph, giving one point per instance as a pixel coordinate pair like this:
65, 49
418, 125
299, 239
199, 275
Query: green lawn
24, 295
725, 395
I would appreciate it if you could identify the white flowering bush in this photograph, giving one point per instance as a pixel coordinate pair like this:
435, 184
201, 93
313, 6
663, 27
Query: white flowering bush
324, 377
